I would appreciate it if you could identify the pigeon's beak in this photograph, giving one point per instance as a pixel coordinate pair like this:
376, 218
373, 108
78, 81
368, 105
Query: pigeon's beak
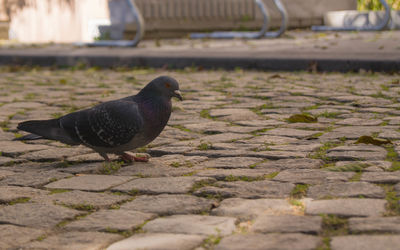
178, 95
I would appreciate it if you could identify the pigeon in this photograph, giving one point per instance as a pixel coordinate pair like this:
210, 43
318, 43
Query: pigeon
113, 127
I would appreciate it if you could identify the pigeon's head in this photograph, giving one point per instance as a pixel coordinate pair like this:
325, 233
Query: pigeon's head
164, 86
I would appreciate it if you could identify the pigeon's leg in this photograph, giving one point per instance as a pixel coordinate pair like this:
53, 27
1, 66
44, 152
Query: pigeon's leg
105, 156
130, 158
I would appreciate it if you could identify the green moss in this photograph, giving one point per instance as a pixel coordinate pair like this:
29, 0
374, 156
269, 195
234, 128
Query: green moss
391, 154
69, 108
316, 135
180, 127
190, 173
211, 241
4, 125
329, 114
66, 221
258, 109
297, 203
304, 118
115, 206
299, 191
384, 123
385, 87
30, 96
326, 244
175, 164
62, 164
205, 113
311, 107
200, 184
124, 233
19, 200
393, 201
374, 141
17, 135
252, 166
355, 167
223, 86
243, 178
134, 191
58, 191
82, 207
271, 175
204, 145
41, 237
395, 166
56, 115
321, 152
110, 167
356, 177
333, 225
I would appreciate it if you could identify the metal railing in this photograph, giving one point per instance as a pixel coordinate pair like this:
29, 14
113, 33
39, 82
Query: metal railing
252, 35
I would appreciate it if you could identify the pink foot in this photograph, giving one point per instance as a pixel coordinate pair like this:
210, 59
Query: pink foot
130, 158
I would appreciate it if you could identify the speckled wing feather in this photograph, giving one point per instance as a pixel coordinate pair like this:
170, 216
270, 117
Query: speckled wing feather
109, 124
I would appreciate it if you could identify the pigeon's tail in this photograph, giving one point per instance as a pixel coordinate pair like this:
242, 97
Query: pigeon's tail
28, 137
45, 129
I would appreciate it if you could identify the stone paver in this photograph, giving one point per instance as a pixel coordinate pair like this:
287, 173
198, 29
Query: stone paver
192, 224
287, 224
36, 215
350, 189
365, 242
296, 133
311, 176
158, 241
299, 163
243, 173
231, 162
229, 159
113, 219
233, 114
346, 207
77, 198
14, 148
169, 204
16, 236
246, 209
10, 193
366, 152
75, 240
268, 241
249, 190
89, 182
34, 178
375, 224
171, 185
382, 177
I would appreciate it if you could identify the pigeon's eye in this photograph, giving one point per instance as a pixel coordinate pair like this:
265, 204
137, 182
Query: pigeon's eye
168, 85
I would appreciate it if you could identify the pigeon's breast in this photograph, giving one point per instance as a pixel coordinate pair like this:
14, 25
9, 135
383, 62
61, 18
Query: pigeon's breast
155, 116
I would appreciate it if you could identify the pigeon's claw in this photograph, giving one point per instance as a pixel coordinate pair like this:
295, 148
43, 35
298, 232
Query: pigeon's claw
130, 158
141, 158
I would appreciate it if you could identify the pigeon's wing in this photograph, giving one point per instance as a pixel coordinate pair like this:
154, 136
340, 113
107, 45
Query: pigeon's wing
109, 124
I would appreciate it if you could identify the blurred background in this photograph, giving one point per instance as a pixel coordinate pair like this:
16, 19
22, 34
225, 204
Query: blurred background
65, 21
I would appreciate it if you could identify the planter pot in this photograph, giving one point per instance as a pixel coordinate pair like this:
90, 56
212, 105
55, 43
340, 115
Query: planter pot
360, 18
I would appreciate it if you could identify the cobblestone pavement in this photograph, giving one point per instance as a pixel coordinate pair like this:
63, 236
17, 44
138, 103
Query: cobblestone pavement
249, 160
